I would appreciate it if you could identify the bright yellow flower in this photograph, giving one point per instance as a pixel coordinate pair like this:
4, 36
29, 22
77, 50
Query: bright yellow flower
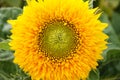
58, 39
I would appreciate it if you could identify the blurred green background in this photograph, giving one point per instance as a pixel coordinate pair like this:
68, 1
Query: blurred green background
108, 69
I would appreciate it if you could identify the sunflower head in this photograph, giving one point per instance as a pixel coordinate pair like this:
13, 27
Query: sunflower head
58, 39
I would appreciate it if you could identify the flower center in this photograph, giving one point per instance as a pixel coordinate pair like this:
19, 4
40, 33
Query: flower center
58, 40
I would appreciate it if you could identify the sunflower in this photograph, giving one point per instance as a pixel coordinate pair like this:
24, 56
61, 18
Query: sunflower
58, 39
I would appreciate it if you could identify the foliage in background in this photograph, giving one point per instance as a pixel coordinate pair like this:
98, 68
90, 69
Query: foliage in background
109, 67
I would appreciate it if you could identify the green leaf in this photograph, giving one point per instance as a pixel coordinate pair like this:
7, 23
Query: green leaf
3, 75
93, 75
6, 14
110, 48
111, 67
4, 45
113, 41
11, 71
116, 23
110, 31
9, 13
6, 55
8, 68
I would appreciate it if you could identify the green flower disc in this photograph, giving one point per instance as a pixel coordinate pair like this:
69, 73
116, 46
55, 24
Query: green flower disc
58, 40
